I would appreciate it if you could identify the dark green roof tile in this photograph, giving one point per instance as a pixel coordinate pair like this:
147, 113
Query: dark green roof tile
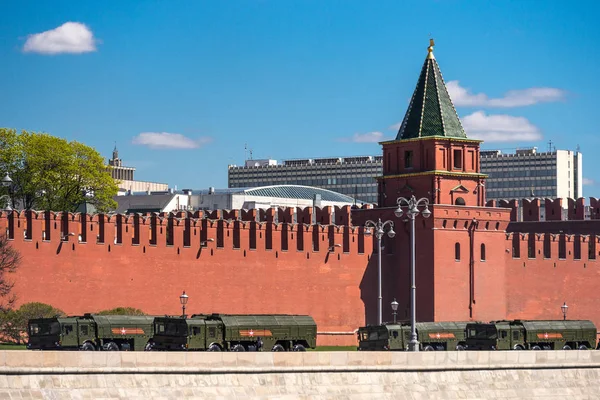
430, 112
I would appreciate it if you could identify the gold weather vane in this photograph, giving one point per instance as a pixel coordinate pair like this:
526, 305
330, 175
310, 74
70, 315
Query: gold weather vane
430, 49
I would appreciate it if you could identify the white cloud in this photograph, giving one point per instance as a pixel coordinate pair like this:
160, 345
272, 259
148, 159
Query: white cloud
500, 128
369, 137
588, 181
395, 127
514, 98
70, 37
165, 140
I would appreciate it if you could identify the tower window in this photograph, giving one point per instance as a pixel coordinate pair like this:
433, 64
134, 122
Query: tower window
408, 159
457, 251
457, 156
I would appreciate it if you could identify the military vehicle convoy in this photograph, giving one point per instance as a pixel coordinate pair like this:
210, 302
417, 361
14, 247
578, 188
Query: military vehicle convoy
431, 336
91, 332
532, 335
223, 332
495, 335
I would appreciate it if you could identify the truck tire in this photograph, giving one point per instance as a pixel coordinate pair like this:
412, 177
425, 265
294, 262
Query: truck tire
238, 347
214, 347
112, 346
519, 347
566, 347
149, 346
582, 347
299, 347
278, 347
428, 348
87, 346
460, 347
536, 347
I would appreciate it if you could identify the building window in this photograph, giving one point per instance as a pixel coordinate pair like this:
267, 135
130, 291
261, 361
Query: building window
562, 247
457, 159
547, 251
516, 245
457, 251
408, 159
459, 201
482, 252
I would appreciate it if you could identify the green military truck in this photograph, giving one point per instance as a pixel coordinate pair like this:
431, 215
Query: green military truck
432, 336
222, 332
532, 335
91, 332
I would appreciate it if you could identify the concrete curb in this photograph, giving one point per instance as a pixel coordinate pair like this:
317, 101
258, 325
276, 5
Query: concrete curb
286, 370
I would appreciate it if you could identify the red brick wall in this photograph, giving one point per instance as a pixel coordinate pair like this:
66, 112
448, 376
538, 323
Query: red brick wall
87, 277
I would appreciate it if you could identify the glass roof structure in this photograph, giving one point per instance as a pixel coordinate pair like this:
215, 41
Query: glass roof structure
298, 192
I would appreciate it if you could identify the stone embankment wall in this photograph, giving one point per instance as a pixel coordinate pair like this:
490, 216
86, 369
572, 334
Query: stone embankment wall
320, 375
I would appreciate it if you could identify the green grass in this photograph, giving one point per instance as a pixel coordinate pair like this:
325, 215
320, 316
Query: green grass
10, 346
335, 348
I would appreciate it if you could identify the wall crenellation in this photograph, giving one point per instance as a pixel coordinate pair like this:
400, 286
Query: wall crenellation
545, 209
308, 229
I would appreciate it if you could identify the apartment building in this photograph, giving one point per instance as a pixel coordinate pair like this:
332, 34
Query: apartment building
529, 173
352, 176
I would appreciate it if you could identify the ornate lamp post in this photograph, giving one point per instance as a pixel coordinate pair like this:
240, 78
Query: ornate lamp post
7, 182
413, 210
394, 305
564, 309
380, 228
183, 299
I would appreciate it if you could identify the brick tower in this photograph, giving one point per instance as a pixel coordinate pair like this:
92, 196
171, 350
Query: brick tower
431, 156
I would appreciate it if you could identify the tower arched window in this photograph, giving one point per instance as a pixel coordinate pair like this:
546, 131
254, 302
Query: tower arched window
482, 252
457, 251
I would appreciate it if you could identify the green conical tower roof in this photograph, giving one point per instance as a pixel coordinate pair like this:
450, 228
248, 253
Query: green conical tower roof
431, 112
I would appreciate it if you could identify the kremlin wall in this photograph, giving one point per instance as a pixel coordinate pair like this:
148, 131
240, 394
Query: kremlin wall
253, 262
475, 260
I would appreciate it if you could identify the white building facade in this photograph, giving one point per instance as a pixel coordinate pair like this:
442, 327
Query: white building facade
352, 176
528, 173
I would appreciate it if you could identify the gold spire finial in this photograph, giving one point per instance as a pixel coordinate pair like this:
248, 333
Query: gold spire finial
430, 49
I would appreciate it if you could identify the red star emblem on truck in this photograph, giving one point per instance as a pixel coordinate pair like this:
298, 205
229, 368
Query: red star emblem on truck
123, 331
545, 336
251, 333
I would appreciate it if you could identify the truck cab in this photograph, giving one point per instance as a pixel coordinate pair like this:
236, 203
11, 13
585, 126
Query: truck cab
381, 338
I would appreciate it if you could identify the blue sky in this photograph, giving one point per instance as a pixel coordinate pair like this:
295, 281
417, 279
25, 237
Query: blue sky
182, 87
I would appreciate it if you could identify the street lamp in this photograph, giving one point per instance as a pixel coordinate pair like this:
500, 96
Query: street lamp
394, 305
183, 299
379, 231
564, 309
413, 210
7, 183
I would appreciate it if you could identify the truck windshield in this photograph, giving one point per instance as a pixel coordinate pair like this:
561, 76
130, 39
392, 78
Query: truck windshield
175, 329
45, 328
483, 332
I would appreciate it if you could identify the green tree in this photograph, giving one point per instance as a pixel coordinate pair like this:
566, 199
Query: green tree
13, 323
122, 311
51, 173
10, 259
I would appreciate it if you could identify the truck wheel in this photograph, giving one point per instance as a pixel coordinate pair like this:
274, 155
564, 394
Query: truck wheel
428, 348
112, 346
299, 347
536, 347
278, 347
214, 347
460, 347
149, 346
238, 347
566, 347
582, 347
519, 347
87, 346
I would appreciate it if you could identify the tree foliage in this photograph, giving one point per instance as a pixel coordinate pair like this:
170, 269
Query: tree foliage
13, 323
122, 311
10, 259
51, 173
